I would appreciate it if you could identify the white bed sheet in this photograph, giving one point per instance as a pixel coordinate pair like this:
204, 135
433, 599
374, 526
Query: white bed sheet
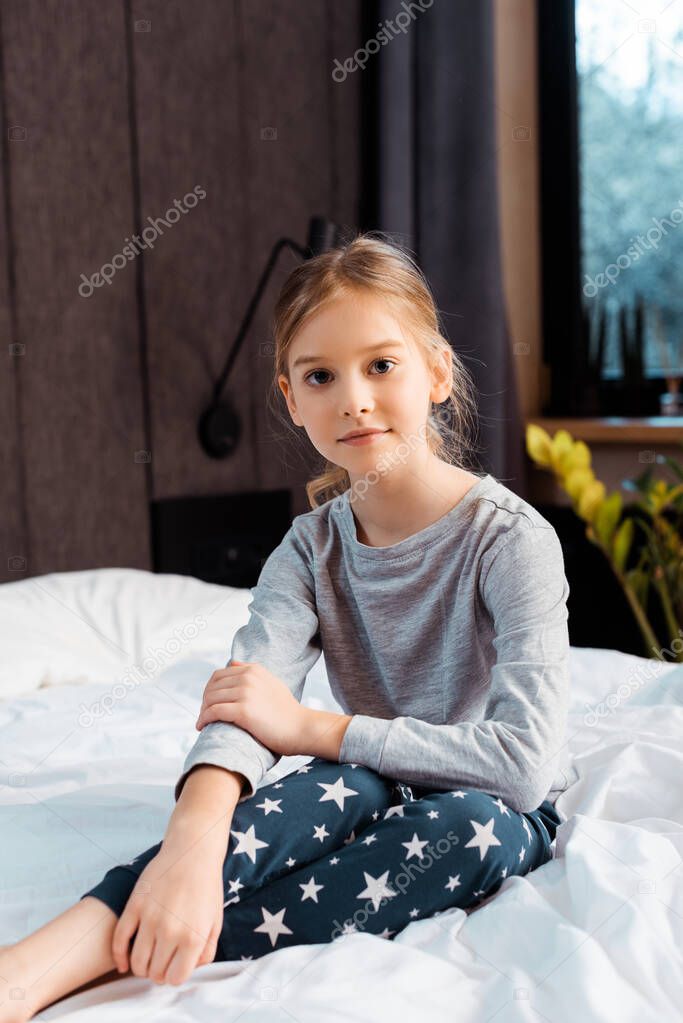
594, 934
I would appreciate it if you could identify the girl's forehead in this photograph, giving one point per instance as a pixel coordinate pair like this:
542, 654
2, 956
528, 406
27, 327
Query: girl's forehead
368, 317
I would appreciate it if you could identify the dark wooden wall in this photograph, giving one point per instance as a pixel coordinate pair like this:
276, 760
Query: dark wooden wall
109, 112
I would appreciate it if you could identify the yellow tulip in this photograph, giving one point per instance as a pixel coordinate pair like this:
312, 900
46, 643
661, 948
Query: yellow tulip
538, 444
590, 499
582, 453
577, 481
561, 443
577, 456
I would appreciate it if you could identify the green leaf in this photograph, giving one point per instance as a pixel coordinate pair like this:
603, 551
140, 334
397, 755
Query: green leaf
641, 483
675, 466
607, 517
639, 583
622, 543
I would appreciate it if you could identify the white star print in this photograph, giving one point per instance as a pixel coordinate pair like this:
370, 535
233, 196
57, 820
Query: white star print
290, 862
453, 882
277, 785
395, 811
354, 766
375, 815
248, 843
385, 933
377, 888
310, 889
334, 861
270, 806
247, 958
526, 827
369, 840
321, 832
482, 891
483, 838
235, 885
337, 792
521, 854
502, 807
433, 814
458, 794
305, 769
349, 928
414, 912
414, 846
272, 925
504, 872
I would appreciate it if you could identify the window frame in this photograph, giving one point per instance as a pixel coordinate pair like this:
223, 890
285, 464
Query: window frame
560, 229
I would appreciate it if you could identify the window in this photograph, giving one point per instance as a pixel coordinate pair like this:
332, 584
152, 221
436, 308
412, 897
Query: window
611, 114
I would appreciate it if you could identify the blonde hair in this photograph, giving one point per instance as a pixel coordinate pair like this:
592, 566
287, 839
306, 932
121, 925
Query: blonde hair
380, 268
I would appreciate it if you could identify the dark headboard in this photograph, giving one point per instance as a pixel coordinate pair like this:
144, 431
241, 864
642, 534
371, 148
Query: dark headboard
220, 538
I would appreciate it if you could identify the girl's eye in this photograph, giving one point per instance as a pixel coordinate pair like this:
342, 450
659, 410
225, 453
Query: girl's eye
315, 372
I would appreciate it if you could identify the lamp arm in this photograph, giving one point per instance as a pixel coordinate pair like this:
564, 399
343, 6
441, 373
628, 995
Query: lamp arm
280, 244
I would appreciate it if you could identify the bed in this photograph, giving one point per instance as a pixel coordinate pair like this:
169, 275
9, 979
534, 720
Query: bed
101, 677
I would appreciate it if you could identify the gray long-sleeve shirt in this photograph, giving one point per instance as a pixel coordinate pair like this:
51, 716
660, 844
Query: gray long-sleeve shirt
450, 648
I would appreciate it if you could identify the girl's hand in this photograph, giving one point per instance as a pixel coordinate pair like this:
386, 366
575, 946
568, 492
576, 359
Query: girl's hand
250, 696
177, 909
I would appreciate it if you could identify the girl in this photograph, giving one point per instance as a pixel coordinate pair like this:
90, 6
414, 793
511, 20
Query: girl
439, 599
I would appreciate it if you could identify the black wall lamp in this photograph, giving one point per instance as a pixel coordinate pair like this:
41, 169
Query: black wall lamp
219, 426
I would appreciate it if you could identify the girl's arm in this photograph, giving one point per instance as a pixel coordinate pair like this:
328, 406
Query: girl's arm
282, 634
517, 748
202, 815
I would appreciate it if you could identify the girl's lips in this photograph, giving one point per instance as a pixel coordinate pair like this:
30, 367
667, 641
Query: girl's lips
366, 438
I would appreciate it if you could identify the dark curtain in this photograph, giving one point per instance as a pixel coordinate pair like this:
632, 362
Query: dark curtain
433, 169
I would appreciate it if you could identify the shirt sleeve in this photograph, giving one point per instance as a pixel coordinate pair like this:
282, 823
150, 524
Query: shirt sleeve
515, 751
282, 634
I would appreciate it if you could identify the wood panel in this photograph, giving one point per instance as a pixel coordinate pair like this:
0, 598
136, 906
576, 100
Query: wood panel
189, 90
15, 556
80, 399
208, 89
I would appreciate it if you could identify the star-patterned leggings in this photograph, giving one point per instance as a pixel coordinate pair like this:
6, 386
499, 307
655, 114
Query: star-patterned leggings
335, 848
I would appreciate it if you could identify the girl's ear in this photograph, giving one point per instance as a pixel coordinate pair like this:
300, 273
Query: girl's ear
286, 388
442, 377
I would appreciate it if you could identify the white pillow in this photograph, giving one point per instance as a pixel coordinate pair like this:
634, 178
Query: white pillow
97, 625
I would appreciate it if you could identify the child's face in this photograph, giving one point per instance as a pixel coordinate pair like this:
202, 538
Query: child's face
350, 388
